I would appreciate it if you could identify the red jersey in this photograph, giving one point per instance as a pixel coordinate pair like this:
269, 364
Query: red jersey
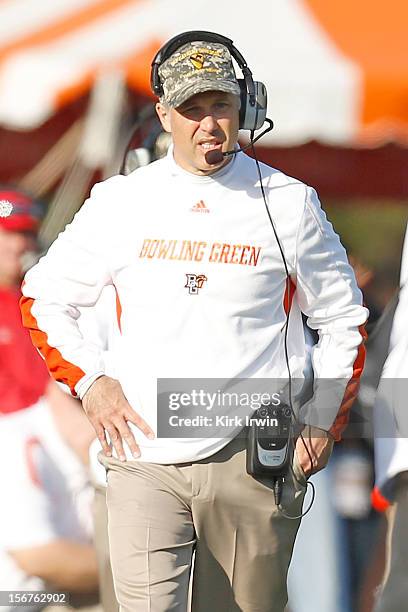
23, 374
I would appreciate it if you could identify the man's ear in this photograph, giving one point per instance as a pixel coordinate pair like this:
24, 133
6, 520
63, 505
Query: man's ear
163, 113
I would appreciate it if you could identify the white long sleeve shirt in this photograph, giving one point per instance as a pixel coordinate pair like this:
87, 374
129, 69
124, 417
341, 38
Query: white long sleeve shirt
201, 290
390, 407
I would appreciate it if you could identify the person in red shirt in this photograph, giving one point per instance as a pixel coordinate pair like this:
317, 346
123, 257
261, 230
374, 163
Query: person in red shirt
23, 375
46, 502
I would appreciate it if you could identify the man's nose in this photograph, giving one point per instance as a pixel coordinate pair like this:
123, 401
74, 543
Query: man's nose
209, 123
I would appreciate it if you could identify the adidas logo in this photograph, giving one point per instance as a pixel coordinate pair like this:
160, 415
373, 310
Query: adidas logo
200, 207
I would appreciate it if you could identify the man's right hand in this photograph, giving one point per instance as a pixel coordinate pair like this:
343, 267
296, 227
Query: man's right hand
109, 412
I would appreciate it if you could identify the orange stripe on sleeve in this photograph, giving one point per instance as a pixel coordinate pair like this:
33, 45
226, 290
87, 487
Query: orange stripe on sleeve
118, 310
289, 294
378, 501
351, 391
60, 369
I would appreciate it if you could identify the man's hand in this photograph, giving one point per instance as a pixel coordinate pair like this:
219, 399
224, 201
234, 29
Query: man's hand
319, 443
109, 411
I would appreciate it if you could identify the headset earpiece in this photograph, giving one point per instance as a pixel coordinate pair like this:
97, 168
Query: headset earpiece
252, 113
253, 93
155, 83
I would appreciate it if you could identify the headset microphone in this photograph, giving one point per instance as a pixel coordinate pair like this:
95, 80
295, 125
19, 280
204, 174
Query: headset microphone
215, 157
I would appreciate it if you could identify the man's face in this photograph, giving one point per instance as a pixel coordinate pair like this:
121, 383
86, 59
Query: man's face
207, 121
13, 245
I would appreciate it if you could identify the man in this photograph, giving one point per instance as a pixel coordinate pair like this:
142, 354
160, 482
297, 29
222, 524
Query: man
391, 451
44, 539
200, 282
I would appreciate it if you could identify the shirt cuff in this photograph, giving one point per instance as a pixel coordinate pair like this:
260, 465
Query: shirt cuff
86, 381
322, 409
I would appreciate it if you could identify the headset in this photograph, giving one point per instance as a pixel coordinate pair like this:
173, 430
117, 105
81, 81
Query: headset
252, 113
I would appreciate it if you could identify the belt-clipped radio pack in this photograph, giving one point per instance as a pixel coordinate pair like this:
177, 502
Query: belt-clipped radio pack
269, 441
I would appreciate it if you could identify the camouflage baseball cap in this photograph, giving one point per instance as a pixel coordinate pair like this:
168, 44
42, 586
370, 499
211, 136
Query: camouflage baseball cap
194, 68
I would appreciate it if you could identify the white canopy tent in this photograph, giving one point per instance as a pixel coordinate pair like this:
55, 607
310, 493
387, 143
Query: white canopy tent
52, 51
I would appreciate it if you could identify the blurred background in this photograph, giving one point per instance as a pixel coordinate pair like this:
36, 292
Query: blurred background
74, 85
74, 74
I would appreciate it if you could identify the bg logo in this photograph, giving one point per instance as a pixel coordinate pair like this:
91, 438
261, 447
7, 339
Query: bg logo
194, 283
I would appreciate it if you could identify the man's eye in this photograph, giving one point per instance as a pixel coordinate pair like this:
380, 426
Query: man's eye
191, 109
221, 105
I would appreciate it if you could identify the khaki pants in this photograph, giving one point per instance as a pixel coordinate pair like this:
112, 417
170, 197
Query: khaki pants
394, 597
106, 590
160, 514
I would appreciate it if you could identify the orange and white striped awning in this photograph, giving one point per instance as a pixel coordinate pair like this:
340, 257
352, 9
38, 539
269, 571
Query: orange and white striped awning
336, 70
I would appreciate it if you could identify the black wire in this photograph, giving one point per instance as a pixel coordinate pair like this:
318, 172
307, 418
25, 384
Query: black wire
299, 516
262, 134
278, 490
286, 325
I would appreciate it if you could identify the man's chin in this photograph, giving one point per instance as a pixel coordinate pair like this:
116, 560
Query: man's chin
213, 161
199, 164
